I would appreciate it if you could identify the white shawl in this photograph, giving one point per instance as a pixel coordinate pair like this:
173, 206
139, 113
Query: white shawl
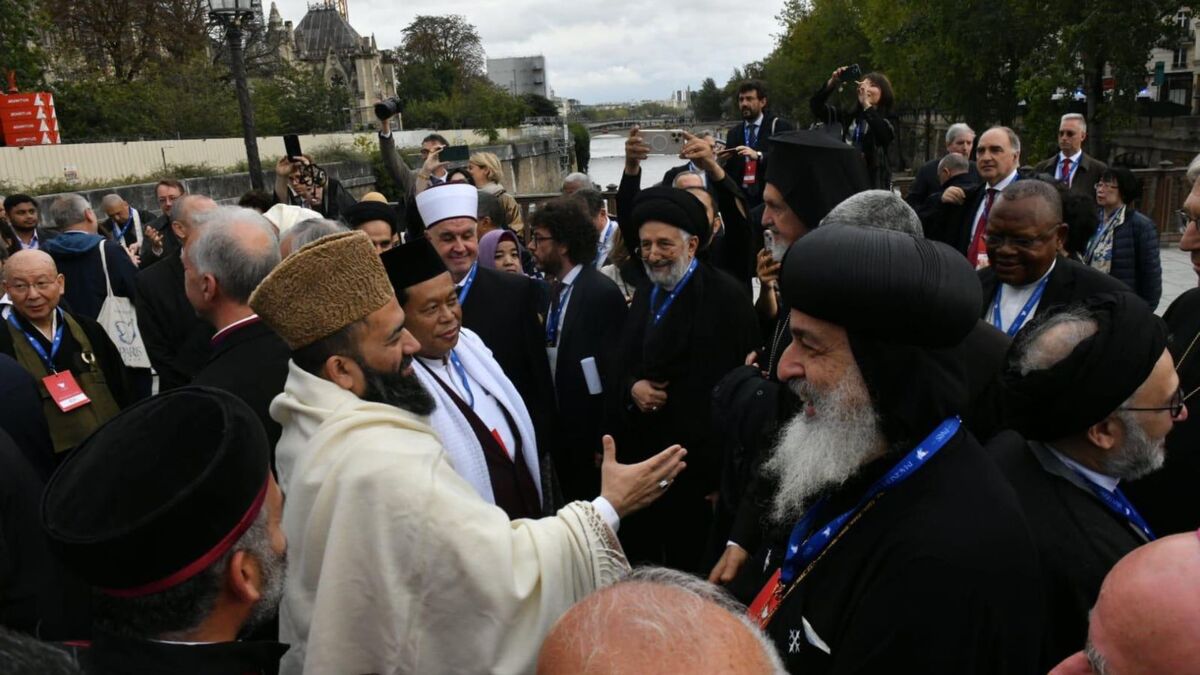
395, 563
457, 437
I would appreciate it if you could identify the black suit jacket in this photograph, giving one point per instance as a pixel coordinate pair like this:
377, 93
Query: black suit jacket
506, 311
251, 362
1069, 283
176, 339
926, 183
1085, 178
591, 327
736, 166
953, 223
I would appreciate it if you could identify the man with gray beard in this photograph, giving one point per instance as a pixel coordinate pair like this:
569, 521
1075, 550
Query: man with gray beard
1094, 393
686, 328
901, 547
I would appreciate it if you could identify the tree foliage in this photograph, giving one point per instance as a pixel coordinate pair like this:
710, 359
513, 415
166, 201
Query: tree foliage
708, 101
21, 21
439, 56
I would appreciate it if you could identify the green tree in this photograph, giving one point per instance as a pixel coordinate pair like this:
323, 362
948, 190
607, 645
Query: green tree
708, 101
438, 56
21, 22
540, 106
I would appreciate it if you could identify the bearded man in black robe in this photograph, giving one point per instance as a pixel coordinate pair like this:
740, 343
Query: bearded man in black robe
901, 547
688, 325
1094, 393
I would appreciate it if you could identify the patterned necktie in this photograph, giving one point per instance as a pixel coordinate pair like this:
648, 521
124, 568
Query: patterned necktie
977, 245
753, 135
1066, 171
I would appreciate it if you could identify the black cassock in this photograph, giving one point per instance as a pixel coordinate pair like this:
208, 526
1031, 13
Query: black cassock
706, 332
938, 576
1078, 538
110, 655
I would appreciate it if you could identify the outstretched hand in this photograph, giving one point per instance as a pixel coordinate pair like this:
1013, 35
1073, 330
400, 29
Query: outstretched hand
633, 487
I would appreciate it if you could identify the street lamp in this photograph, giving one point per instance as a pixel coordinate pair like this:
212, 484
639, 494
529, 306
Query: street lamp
231, 14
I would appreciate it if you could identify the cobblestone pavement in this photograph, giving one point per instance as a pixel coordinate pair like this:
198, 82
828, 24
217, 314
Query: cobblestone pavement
1177, 276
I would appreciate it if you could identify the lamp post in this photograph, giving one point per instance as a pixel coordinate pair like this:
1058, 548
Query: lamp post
231, 14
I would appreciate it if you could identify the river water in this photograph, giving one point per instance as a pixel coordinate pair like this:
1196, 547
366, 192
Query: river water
608, 161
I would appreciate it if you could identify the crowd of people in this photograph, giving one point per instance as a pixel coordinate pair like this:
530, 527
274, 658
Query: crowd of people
764, 415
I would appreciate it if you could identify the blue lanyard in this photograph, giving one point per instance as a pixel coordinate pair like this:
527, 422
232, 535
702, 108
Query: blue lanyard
746, 132
803, 548
556, 310
608, 230
1118, 503
858, 130
462, 375
47, 359
119, 235
1074, 168
466, 287
658, 313
1024, 314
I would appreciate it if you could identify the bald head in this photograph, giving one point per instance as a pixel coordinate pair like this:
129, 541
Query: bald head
184, 213
34, 285
657, 621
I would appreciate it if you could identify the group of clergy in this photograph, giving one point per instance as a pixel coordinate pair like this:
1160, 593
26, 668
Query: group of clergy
913, 473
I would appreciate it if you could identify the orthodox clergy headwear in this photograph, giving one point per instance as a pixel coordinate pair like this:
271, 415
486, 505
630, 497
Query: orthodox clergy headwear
1106, 368
160, 492
285, 216
814, 172
446, 201
411, 263
904, 303
322, 288
365, 212
674, 207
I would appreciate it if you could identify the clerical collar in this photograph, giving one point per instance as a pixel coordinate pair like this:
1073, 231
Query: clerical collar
220, 335
1006, 181
1107, 482
1037, 281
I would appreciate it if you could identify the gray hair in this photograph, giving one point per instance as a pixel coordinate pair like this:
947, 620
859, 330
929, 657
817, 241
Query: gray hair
69, 210
219, 250
682, 174
1035, 189
706, 133
881, 209
111, 199
1078, 118
1013, 138
1047, 342
957, 129
307, 231
174, 613
181, 210
1193, 170
578, 177
954, 163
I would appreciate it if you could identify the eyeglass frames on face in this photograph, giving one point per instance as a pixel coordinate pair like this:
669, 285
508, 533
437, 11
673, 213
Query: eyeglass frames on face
1175, 408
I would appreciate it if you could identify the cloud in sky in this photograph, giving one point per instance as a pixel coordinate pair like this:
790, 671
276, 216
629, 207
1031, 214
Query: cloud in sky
618, 50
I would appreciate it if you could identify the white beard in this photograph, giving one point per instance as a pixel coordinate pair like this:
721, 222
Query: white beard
820, 452
670, 276
1139, 455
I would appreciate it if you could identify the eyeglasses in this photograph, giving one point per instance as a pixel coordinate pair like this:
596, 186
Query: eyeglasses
999, 240
21, 288
1183, 219
1176, 406
536, 239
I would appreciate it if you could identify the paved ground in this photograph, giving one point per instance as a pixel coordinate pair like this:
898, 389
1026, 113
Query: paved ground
1178, 276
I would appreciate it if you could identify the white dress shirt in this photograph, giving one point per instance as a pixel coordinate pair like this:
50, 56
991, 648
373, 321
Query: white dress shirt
998, 187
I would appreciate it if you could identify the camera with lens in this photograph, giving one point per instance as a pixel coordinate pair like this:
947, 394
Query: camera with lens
388, 107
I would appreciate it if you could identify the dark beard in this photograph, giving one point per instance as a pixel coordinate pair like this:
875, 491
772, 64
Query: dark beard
397, 389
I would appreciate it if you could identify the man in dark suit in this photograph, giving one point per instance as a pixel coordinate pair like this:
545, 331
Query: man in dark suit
130, 228
747, 142
223, 262
961, 218
960, 138
504, 309
1026, 277
1072, 165
587, 311
167, 192
176, 339
1069, 452
24, 217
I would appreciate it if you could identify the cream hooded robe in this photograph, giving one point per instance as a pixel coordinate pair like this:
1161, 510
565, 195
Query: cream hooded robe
396, 565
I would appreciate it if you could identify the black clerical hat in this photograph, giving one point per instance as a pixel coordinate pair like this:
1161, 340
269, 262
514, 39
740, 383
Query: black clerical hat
411, 263
675, 207
883, 284
814, 172
159, 492
365, 212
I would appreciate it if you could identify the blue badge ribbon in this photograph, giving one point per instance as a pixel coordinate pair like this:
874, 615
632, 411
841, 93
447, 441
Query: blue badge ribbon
47, 359
608, 230
466, 287
556, 309
1024, 313
119, 235
803, 548
462, 375
1074, 167
1118, 503
658, 313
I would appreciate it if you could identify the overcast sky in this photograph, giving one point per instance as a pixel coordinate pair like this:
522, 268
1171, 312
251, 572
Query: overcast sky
618, 50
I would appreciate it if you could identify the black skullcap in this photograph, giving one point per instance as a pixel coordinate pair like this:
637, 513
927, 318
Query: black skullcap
159, 492
674, 207
411, 263
365, 212
883, 284
1101, 373
814, 172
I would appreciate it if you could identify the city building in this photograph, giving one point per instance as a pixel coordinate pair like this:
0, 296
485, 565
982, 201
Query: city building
1179, 65
520, 75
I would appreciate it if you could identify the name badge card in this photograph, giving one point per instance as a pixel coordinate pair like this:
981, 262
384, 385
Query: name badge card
65, 391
